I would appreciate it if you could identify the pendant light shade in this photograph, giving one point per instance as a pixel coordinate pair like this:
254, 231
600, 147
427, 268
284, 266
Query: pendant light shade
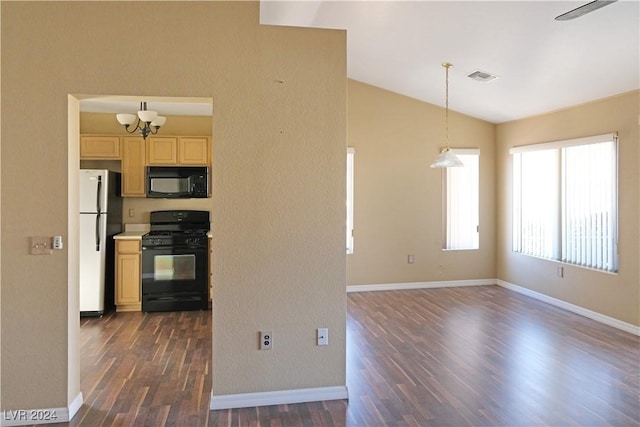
446, 159
158, 121
147, 116
125, 119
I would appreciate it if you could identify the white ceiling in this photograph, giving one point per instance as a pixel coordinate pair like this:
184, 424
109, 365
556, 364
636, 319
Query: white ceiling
542, 64
165, 106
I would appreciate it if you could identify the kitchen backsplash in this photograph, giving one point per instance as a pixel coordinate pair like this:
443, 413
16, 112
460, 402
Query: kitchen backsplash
141, 207
144, 228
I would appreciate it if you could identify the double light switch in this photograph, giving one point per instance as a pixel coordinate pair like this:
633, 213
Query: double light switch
44, 245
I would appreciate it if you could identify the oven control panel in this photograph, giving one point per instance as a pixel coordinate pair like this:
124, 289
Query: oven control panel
174, 241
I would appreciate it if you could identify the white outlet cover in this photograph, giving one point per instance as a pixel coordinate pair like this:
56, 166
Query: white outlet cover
323, 336
266, 340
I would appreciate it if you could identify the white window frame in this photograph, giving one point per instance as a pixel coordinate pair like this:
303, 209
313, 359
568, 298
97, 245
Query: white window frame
600, 252
461, 205
350, 197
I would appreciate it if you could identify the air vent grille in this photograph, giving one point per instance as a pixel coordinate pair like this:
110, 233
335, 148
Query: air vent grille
482, 76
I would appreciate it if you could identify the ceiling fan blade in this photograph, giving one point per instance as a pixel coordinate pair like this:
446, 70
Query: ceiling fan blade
584, 9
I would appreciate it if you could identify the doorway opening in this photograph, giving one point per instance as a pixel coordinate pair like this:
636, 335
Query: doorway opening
96, 115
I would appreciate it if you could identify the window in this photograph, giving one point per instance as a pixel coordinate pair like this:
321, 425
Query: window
350, 158
565, 201
462, 202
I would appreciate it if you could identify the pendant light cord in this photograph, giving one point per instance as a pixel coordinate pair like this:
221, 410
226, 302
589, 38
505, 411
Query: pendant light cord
446, 66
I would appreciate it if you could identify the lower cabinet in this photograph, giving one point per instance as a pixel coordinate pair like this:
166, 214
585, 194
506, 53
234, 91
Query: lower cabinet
128, 275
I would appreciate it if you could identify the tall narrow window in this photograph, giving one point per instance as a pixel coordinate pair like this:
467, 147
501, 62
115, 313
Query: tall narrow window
462, 202
350, 164
565, 201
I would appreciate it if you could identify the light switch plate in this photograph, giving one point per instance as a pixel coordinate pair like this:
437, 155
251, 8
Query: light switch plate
40, 245
323, 336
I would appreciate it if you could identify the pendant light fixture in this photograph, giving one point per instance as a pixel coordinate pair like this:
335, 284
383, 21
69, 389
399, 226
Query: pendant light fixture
148, 121
446, 159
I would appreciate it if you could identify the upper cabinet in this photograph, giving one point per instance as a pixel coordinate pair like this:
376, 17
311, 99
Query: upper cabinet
194, 150
100, 147
162, 150
181, 150
133, 167
136, 154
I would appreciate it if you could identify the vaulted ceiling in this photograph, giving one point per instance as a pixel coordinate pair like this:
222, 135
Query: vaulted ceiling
541, 64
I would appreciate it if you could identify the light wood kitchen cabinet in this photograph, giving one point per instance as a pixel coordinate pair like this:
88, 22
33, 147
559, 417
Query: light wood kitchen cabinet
194, 150
181, 150
136, 154
128, 275
162, 150
99, 147
133, 167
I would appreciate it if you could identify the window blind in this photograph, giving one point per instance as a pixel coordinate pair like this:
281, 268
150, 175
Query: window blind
589, 209
462, 201
565, 201
350, 185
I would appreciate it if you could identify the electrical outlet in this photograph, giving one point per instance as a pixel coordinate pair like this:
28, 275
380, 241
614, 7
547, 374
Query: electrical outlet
266, 340
323, 336
410, 259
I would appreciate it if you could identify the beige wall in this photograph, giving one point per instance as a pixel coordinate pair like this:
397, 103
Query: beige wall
278, 171
175, 125
398, 197
614, 295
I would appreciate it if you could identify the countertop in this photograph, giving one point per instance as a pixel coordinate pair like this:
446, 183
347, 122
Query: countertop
133, 232
130, 235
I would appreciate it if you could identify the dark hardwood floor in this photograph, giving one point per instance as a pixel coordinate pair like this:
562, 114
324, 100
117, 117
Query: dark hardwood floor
475, 356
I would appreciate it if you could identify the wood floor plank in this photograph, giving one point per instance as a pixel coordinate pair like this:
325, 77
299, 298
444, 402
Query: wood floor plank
474, 356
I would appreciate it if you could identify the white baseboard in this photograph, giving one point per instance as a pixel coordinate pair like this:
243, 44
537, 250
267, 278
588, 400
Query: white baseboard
21, 417
75, 406
247, 400
419, 285
618, 324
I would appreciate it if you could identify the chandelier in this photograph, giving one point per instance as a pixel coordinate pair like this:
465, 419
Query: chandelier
446, 159
148, 122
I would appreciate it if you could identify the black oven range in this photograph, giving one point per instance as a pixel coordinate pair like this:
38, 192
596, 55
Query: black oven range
175, 261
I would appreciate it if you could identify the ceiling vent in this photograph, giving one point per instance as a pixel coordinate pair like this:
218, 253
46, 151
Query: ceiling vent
482, 76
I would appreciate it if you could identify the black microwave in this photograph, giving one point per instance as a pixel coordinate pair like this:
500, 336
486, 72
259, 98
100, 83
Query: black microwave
177, 182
